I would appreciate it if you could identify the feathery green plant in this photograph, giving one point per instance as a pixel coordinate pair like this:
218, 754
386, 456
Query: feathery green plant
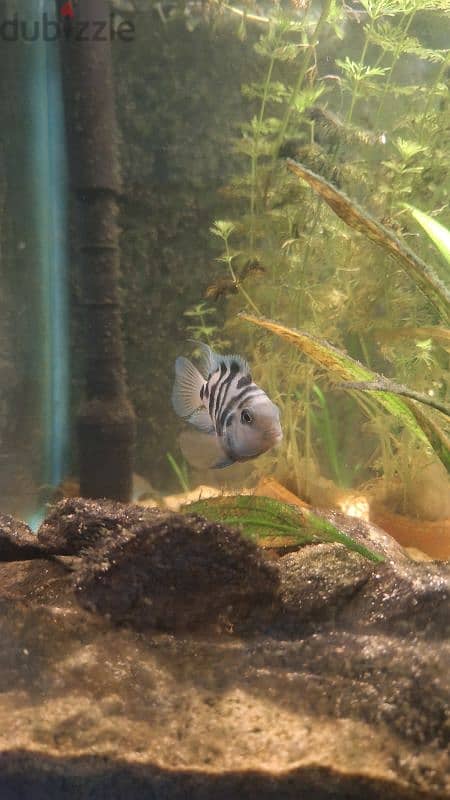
262, 518
338, 92
359, 377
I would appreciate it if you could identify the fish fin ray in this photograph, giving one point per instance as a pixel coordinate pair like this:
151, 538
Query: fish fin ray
211, 361
186, 391
243, 364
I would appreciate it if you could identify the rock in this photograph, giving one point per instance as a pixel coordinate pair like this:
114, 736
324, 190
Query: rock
74, 524
17, 542
178, 573
417, 555
338, 690
400, 596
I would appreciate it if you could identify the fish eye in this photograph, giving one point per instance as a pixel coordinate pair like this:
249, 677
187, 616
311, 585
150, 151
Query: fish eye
246, 416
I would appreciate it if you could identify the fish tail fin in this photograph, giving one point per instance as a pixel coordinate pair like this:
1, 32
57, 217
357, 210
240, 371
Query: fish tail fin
186, 390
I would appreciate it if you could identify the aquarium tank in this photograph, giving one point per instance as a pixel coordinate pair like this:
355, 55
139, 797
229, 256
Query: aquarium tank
224, 398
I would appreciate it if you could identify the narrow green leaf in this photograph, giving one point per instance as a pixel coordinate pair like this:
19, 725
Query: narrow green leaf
342, 365
437, 233
262, 518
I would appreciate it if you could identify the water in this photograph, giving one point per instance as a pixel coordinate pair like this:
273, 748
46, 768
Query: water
366, 110
149, 195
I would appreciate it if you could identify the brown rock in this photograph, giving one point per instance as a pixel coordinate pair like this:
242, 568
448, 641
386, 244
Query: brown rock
75, 524
342, 695
178, 573
17, 542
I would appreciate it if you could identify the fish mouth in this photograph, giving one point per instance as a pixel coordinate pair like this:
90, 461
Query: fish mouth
274, 435
272, 438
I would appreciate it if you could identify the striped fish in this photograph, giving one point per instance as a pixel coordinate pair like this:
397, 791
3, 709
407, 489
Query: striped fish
234, 418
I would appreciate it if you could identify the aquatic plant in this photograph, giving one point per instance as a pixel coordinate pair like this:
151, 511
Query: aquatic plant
437, 232
180, 470
424, 277
266, 520
387, 393
361, 124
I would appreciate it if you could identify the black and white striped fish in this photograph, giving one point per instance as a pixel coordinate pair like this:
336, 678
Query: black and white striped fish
235, 419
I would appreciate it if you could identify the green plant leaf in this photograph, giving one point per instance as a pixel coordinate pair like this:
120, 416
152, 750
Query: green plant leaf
437, 232
342, 365
261, 518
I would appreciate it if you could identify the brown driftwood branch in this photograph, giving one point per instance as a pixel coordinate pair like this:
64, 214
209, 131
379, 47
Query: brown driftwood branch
386, 385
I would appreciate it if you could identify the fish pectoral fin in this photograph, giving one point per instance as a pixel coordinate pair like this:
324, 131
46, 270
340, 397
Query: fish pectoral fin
227, 462
201, 420
203, 450
186, 391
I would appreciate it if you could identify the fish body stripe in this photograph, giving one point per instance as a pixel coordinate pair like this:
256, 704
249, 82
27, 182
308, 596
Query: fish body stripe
213, 405
246, 380
221, 390
237, 401
221, 383
224, 390
213, 388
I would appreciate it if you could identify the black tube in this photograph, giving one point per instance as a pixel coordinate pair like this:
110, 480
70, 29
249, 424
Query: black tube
106, 421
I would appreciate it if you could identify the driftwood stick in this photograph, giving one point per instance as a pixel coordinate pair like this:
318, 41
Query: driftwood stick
386, 385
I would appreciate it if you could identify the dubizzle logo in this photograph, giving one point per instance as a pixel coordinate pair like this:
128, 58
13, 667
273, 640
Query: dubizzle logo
67, 27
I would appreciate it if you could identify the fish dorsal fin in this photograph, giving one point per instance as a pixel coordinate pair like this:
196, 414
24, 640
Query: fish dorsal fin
242, 363
186, 391
212, 360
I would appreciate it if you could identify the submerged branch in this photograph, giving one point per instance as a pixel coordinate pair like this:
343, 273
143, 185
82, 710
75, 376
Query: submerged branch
385, 385
354, 216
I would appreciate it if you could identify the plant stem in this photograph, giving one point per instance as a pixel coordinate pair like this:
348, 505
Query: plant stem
178, 472
329, 436
397, 54
308, 447
254, 163
362, 58
235, 280
431, 95
245, 15
301, 76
